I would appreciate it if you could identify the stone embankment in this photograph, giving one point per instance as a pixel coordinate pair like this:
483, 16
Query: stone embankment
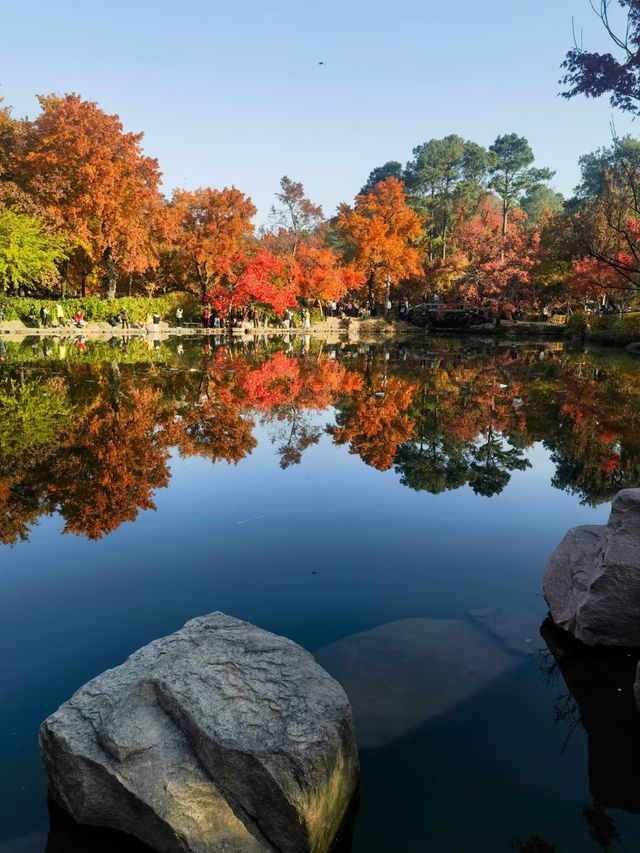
331, 330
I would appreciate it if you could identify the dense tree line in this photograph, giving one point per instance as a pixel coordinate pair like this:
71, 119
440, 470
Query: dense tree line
82, 212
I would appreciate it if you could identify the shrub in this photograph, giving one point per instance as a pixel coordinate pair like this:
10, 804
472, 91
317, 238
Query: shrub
99, 310
607, 328
578, 321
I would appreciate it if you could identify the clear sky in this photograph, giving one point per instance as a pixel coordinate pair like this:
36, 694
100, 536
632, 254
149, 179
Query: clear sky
233, 93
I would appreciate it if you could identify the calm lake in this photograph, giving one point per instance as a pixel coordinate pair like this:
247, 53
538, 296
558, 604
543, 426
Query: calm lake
389, 507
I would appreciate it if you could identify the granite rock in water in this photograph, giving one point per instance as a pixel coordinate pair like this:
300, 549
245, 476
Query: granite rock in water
220, 737
592, 579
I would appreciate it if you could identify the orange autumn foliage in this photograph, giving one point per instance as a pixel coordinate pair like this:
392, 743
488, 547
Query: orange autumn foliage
374, 425
591, 278
92, 182
112, 468
383, 230
321, 277
211, 226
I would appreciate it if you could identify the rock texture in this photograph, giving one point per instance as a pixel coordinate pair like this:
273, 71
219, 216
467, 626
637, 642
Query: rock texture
220, 737
592, 579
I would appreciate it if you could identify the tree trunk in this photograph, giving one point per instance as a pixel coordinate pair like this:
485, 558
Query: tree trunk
110, 278
115, 385
202, 273
505, 212
63, 280
431, 228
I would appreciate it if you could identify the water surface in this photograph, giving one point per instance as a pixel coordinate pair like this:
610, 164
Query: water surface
389, 507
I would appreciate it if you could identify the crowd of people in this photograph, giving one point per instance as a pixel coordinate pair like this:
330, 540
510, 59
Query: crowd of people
44, 319
301, 318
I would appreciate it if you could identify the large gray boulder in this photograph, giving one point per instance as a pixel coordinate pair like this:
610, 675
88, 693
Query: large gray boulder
220, 737
592, 579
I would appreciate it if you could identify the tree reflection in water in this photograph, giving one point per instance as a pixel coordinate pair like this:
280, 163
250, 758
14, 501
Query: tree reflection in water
87, 433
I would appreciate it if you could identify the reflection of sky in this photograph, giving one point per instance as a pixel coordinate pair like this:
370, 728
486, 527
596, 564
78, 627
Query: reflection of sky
246, 539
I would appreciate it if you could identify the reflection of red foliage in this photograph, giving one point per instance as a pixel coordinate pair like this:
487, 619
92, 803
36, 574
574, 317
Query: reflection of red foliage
215, 426
273, 383
292, 381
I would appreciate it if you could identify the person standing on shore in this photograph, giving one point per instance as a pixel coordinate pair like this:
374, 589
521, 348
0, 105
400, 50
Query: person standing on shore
59, 315
205, 316
124, 318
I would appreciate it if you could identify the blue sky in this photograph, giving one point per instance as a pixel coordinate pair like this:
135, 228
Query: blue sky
232, 92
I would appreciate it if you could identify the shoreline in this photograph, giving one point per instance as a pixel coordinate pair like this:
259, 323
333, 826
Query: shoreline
330, 330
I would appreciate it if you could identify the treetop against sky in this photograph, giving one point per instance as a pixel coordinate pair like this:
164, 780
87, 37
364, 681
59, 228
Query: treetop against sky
242, 93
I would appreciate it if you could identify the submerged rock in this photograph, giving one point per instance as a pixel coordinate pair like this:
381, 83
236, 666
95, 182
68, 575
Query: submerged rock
220, 737
592, 579
517, 629
405, 673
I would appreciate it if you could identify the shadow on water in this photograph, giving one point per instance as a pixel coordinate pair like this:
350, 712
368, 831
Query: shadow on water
600, 681
599, 699
67, 836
